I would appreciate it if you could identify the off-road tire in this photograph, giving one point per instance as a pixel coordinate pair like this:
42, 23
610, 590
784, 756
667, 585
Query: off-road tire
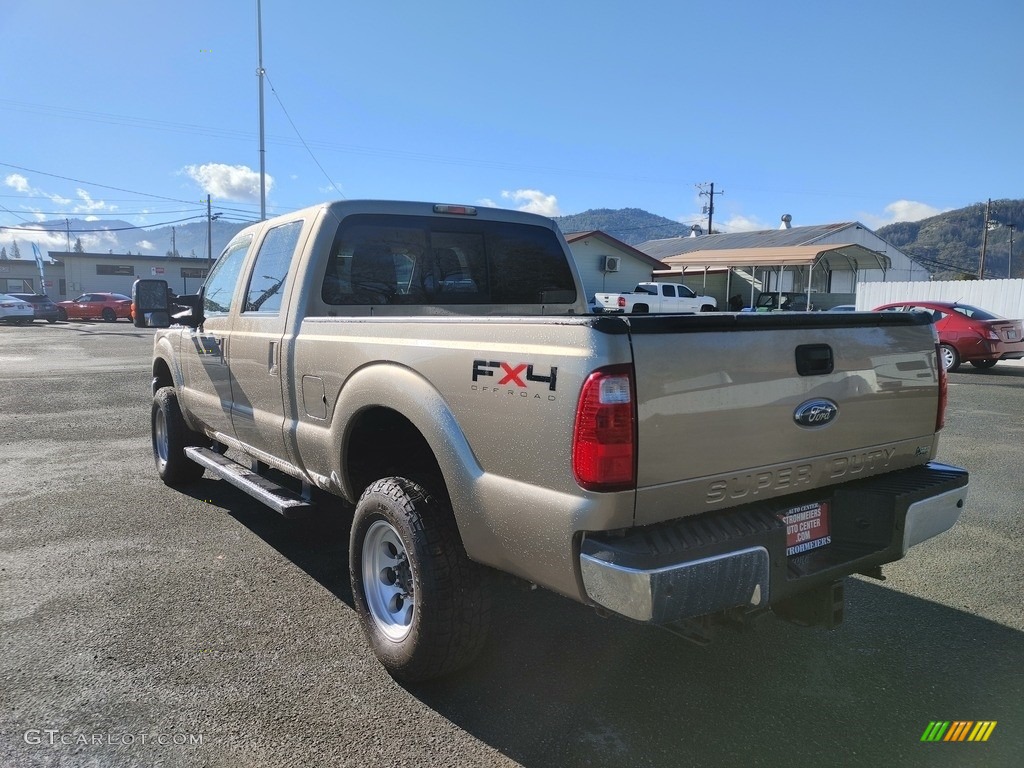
422, 603
170, 437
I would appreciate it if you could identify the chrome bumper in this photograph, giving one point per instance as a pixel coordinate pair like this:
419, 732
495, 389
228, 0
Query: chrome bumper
737, 558
708, 585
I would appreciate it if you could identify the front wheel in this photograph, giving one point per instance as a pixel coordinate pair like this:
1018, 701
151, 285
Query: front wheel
171, 436
707, 308
983, 364
62, 314
950, 357
421, 601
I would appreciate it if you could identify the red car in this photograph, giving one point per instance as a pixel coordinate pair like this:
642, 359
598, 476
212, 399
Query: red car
968, 334
88, 306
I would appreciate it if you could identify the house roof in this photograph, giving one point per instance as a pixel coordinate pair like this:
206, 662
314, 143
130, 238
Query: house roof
831, 255
769, 238
597, 234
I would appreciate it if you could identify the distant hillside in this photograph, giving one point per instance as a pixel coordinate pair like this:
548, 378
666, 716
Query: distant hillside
630, 225
950, 243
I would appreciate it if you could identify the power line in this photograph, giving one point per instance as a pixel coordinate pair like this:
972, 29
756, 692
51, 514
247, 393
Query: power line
281, 104
102, 229
94, 184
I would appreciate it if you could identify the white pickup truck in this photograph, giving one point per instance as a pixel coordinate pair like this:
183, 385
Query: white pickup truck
654, 298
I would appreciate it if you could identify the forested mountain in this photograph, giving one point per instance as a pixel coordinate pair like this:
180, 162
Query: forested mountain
950, 244
630, 225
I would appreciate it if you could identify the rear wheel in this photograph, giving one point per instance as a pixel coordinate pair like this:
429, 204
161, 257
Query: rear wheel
62, 314
983, 364
950, 357
422, 602
171, 436
109, 315
640, 309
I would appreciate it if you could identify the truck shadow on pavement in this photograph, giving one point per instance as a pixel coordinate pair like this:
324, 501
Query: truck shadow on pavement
558, 685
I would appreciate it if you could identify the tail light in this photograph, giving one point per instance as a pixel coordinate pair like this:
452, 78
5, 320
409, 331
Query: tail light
604, 439
940, 416
622, 301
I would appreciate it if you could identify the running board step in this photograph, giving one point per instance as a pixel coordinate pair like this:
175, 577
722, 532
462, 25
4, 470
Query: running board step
275, 496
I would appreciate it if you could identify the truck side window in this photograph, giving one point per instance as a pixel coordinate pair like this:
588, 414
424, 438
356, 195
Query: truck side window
266, 283
685, 292
669, 290
220, 285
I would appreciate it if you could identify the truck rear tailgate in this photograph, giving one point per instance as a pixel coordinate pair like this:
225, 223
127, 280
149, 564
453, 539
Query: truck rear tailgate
735, 408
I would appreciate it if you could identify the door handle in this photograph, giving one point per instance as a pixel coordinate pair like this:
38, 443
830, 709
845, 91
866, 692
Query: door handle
272, 359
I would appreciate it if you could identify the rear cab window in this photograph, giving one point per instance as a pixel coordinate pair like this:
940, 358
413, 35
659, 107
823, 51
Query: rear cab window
420, 260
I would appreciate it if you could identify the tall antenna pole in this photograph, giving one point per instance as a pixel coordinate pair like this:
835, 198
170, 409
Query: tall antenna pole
263, 151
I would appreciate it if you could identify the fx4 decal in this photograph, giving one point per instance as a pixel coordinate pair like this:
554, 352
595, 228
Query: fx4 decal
513, 375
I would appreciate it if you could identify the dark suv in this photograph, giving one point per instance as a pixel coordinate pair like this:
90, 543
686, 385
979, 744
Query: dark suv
43, 306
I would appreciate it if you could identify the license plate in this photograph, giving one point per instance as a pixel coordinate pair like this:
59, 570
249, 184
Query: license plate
807, 527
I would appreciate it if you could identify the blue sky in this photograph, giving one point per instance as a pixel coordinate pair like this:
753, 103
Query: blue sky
876, 111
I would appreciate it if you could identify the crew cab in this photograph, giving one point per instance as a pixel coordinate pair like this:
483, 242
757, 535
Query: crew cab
435, 367
655, 297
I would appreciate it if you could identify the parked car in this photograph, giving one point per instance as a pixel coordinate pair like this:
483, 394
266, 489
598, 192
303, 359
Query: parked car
843, 308
14, 311
90, 306
790, 302
968, 334
42, 305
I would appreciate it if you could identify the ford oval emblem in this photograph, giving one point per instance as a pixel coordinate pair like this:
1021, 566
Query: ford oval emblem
816, 413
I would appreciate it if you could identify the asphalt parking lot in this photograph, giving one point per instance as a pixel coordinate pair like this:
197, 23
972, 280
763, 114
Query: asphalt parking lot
144, 626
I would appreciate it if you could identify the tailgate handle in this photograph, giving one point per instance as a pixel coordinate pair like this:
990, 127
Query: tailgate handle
814, 359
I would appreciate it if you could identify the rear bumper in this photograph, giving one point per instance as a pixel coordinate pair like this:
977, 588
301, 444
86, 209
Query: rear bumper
737, 558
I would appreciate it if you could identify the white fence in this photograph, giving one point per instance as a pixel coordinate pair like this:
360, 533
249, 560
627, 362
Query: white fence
1004, 297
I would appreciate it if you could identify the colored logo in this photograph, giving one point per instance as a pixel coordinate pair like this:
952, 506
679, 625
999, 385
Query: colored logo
958, 730
815, 413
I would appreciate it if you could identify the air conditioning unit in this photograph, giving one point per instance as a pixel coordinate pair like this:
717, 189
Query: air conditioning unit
611, 263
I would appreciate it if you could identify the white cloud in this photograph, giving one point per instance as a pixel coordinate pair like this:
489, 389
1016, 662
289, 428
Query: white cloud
87, 204
17, 182
533, 201
529, 200
145, 245
901, 210
230, 182
740, 223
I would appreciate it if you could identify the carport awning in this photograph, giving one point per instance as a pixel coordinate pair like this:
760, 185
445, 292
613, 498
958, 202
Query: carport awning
832, 256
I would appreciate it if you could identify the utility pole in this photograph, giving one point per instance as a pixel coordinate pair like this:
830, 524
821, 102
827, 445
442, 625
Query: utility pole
67, 226
174, 247
263, 153
984, 242
709, 209
210, 218
1009, 260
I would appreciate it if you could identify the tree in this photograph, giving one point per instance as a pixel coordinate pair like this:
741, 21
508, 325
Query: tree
15, 250
3, 253
78, 246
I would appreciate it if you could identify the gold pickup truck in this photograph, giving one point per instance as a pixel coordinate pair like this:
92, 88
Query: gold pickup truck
436, 367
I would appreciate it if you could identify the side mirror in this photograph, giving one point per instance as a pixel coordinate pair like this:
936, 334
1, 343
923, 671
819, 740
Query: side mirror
151, 307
